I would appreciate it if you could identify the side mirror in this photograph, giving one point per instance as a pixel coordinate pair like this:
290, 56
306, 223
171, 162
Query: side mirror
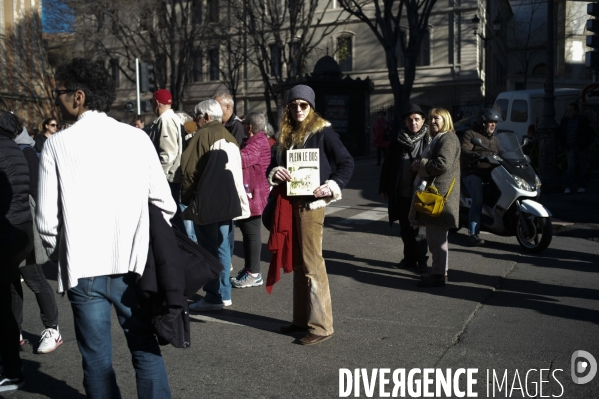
476, 141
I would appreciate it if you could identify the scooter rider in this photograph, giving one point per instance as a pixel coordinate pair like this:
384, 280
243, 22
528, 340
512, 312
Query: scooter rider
474, 172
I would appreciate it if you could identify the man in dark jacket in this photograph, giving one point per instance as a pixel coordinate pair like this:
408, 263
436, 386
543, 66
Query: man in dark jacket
231, 121
16, 242
576, 135
474, 172
396, 185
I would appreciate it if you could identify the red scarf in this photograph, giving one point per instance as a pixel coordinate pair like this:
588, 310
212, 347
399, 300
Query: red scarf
281, 237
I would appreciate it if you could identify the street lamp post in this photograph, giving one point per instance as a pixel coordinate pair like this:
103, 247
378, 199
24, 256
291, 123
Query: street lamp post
548, 172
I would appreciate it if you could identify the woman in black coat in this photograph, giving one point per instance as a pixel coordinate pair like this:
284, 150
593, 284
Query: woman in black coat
16, 241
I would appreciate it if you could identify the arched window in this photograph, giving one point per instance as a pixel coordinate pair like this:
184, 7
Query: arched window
345, 47
424, 56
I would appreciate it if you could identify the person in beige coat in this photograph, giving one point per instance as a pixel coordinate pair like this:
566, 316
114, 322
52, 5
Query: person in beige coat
439, 165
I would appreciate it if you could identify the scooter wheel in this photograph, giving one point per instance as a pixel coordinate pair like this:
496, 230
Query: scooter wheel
540, 233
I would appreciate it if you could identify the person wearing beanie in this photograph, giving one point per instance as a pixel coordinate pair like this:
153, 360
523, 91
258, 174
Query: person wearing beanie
167, 135
396, 186
302, 127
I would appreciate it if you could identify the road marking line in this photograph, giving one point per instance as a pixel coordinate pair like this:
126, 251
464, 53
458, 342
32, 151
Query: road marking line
334, 208
366, 217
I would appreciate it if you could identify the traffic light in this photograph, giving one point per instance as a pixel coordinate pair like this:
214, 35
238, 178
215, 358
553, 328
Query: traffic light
146, 106
592, 57
148, 80
129, 106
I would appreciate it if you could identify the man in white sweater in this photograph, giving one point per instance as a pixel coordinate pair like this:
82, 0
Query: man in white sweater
107, 184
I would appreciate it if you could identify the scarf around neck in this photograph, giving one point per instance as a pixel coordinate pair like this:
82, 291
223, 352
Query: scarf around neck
408, 141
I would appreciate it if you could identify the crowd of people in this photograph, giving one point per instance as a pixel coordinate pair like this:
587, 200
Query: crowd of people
202, 171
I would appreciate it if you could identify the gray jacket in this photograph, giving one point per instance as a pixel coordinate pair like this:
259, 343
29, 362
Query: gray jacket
443, 165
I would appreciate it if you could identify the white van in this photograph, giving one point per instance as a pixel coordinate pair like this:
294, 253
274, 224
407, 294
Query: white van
522, 110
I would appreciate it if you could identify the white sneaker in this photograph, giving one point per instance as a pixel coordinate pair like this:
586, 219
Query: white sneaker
581, 190
227, 302
203, 306
50, 340
567, 191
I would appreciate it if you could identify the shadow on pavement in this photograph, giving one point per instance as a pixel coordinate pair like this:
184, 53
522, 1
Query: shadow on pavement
524, 294
43, 384
246, 319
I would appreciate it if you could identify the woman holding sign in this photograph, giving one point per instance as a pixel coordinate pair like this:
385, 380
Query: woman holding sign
303, 128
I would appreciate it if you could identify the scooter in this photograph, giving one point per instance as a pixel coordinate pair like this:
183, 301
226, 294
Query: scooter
510, 199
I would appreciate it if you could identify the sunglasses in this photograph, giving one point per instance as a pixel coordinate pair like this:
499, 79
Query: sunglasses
53, 124
294, 106
57, 93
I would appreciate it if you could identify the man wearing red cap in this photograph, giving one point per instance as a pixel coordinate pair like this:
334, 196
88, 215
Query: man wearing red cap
166, 135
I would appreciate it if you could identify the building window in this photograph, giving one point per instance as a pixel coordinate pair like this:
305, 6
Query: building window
275, 60
424, 56
197, 67
114, 68
539, 69
214, 64
295, 58
345, 52
197, 13
212, 10
145, 20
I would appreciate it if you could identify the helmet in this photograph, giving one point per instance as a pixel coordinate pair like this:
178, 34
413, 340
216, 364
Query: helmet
488, 114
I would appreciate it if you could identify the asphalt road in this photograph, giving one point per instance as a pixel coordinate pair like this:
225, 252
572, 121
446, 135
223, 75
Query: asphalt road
503, 312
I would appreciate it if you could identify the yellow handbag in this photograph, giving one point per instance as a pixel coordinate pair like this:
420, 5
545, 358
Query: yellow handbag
429, 202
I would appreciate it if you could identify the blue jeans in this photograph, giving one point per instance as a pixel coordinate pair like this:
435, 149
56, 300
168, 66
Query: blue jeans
189, 226
218, 239
91, 300
474, 185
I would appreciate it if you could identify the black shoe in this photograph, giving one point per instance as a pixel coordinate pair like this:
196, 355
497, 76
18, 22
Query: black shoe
432, 280
406, 264
474, 240
421, 268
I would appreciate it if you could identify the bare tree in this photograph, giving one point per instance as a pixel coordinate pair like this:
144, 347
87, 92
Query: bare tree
29, 81
386, 20
229, 37
282, 35
165, 33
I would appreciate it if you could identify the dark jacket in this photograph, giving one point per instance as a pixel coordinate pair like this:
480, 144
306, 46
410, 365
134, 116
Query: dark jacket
469, 164
175, 270
212, 177
392, 170
14, 184
235, 127
585, 136
331, 149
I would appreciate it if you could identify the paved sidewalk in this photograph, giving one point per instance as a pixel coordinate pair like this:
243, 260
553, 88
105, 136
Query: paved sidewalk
576, 215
